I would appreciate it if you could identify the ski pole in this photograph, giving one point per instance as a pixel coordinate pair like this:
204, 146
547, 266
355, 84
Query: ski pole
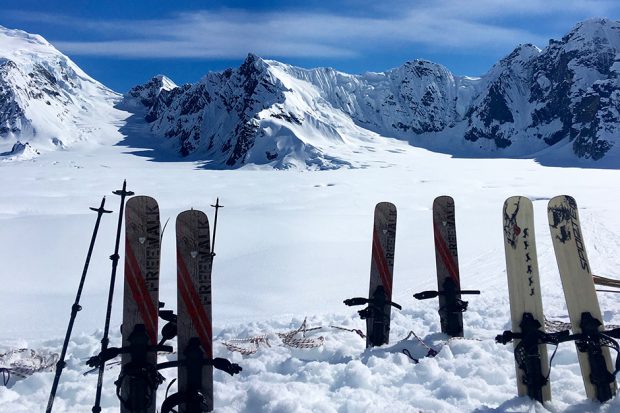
75, 307
115, 257
217, 206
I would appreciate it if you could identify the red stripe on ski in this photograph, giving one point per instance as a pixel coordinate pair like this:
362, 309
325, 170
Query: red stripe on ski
140, 293
445, 254
195, 309
381, 263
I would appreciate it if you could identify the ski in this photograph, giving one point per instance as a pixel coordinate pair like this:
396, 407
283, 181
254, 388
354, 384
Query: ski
526, 308
581, 300
451, 306
378, 312
195, 336
195, 361
139, 378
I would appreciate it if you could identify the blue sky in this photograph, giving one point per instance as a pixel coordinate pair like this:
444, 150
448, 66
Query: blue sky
123, 43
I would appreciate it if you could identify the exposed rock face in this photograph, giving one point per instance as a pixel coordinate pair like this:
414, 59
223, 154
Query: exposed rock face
266, 112
528, 101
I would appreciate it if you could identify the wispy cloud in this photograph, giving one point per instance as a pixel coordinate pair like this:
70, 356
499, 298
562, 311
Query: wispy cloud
226, 33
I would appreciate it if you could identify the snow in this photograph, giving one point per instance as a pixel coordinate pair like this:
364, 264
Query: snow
292, 244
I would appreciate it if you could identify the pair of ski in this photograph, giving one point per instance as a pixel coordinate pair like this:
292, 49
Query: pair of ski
379, 301
139, 377
526, 307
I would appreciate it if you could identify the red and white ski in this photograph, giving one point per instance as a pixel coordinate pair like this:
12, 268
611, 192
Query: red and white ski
451, 306
138, 379
378, 312
194, 329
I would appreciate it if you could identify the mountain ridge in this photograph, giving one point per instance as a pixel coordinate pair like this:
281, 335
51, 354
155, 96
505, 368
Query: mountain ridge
531, 102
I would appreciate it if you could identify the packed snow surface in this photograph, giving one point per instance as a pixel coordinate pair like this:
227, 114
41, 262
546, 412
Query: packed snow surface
292, 244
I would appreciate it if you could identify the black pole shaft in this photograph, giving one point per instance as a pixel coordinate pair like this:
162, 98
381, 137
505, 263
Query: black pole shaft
217, 206
60, 365
115, 257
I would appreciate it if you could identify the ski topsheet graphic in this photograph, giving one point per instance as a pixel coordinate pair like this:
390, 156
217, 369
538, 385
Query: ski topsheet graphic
378, 312
581, 299
526, 307
195, 337
139, 378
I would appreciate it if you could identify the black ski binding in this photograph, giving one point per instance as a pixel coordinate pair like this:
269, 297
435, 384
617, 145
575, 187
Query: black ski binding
139, 373
592, 341
527, 355
194, 361
376, 305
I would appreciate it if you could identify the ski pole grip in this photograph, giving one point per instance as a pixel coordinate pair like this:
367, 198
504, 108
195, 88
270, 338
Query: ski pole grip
356, 301
424, 295
395, 305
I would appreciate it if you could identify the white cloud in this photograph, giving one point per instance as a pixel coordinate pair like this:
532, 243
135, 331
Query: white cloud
442, 24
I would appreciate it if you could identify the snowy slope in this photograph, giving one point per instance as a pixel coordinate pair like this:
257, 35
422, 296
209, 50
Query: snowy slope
291, 245
47, 100
267, 112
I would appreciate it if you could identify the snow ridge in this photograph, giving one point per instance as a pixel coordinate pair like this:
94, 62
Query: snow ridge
267, 112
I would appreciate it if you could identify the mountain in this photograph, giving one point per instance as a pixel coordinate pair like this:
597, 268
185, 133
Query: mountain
47, 100
559, 105
532, 103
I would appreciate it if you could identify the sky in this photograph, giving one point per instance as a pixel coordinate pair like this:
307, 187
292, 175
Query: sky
125, 43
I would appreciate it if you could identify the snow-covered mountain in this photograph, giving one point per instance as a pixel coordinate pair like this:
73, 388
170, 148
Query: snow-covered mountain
561, 102
269, 112
46, 99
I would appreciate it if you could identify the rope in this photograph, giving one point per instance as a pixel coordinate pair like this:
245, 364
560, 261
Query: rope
240, 345
25, 362
431, 351
353, 330
250, 345
554, 326
289, 339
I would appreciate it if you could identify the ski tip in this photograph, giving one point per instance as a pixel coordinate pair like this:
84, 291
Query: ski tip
385, 205
562, 199
443, 199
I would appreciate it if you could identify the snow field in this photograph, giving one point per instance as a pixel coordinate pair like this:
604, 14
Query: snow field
294, 244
